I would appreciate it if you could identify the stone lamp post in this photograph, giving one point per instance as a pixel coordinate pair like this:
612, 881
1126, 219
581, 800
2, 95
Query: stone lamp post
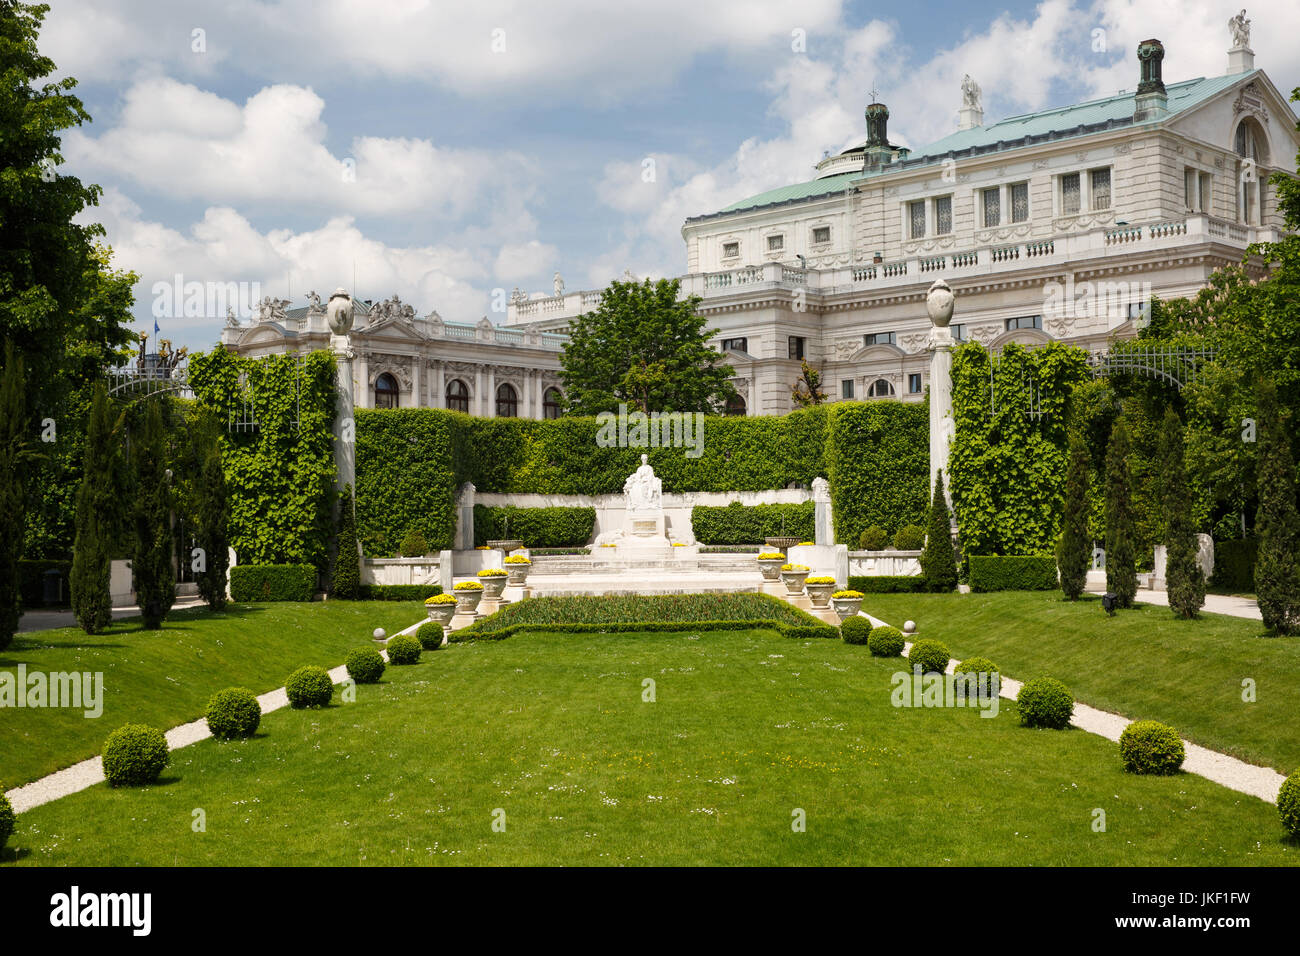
939, 302
339, 315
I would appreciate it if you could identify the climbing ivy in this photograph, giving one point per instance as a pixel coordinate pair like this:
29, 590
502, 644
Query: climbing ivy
280, 473
1007, 463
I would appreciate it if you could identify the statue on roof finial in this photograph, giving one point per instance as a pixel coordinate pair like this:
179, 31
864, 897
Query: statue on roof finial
1240, 28
970, 92
558, 284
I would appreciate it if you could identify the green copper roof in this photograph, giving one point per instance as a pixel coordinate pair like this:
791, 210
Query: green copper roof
1010, 133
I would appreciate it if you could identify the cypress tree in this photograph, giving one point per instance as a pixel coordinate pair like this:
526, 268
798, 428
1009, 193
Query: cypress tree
13, 452
99, 501
1184, 580
347, 568
1074, 548
939, 559
155, 581
1277, 569
1121, 557
209, 508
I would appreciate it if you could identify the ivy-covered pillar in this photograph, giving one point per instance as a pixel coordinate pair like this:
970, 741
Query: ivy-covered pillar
939, 302
339, 315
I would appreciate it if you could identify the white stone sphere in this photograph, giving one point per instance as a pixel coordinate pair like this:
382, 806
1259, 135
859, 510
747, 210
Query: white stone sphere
380, 634
909, 627
339, 312
939, 302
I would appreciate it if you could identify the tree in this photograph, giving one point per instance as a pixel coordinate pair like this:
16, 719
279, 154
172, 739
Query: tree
347, 568
644, 348
208, 506
939, 559
1277, 569
98, 517
1121, 559
1074, 548
1184, 580
807, 389
151, 565
13, 458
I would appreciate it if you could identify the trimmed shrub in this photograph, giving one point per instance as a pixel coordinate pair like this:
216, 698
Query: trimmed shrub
233, 713
933, 656
398, 592
939, 559
750, 524
910, 537
7, 820
985, 687
855, 630
874, 538
365, 665
886, 642
309, 686
272, 582
1045, 702
535, 527
414, 545
404, 649
996, 572
134, 755
345, 584
430, 636
1148, 746
1288, 804
887, 583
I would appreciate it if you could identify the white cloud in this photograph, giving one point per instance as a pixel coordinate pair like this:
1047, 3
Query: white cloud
520, 261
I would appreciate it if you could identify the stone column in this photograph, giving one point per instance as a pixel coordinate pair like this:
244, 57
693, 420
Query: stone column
439, 397
824, 529
490, 395
417, 396
339, 316
477, 404
362, 381
939, 303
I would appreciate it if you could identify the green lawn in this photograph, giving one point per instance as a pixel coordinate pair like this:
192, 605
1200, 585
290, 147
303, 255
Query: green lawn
165, 677
747, 728
1142, 663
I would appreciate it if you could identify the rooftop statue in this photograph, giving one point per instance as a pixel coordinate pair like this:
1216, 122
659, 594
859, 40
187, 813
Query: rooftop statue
970, 92
1240, 28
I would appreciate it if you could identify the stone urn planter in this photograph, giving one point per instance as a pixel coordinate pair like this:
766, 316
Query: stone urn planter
770, 564
517, 571
847, 604
781, 543
442, 612
820, 590
493, 583
793, 576
506, 544
467, 599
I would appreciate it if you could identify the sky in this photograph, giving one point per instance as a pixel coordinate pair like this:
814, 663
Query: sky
446, 151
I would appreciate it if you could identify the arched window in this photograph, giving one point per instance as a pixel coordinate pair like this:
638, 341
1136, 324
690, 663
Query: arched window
551, 403
735, 405
880, 388
385, 391
507, 401
457, 396
1249, 144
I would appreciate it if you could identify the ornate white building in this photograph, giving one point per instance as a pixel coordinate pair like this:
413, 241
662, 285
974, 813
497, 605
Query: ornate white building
1055, 225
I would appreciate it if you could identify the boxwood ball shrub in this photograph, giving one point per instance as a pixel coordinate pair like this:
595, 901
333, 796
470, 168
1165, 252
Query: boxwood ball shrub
403, 649
309, 686
933, 656
910, 537
430, 636
1288, 804
1148, 746
855, 630
365, 665
886, 641
135, 754
233, 713
874, 538
987, 686
1045, 702
6, 819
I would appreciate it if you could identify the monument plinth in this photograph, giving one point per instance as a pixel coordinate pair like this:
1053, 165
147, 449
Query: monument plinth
644, 526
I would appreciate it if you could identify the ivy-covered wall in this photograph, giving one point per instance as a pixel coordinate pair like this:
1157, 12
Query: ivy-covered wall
405, 478
1008, 458
281, 474
878, 464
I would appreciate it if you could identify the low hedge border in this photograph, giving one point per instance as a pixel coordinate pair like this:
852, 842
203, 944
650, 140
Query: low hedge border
558, 527
272, 582
793, 631
741, 524
887, 583
1012, 572
397, 592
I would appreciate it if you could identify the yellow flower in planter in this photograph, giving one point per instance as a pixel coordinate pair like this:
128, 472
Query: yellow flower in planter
847, 594
771, 556
492, 573
807, 544
468, 586
443, 598
517, 559
794, 567
821, 579
679, 544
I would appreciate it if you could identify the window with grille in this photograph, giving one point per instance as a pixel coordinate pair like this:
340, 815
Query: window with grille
1100, 188
943, 215
1020, 202
880, 389
821, 234
916, 217
775, 243
992, 207
846, 388
1070, 194
796, 347
507, 401
730, 250
457, 396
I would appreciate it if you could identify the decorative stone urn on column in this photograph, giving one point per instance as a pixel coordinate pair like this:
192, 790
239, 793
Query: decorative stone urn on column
769, 562
793, 576
493, 581
517, 568
820, 590
468, 594
441, 608
847, 604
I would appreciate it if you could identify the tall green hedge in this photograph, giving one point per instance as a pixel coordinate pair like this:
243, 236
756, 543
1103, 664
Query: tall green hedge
535, 527
1012, 572
272, 582
405, 478
878, 463
750, 524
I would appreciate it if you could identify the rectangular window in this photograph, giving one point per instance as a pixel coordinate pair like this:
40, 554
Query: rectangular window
1025, 322
1100, 181
880, 338
1070, 194
943, 215
958, 332
1206, 192
1020, 202
735, 345
916, 217
992, 207
796, 347
846, 388
775, 243
821, 234
1191, 189
914, 383
730, 250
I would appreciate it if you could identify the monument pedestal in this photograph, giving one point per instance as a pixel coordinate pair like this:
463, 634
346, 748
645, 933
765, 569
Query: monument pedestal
462, 620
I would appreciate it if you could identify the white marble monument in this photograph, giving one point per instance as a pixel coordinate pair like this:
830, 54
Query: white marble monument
643, 494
